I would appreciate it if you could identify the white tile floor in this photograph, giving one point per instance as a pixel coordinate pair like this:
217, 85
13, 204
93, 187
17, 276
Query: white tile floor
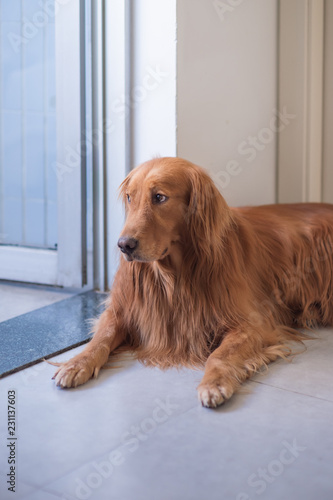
138, 433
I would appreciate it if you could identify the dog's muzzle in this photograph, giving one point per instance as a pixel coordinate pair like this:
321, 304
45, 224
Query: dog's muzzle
127, 245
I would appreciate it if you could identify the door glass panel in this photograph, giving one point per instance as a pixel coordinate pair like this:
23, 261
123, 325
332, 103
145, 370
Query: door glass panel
28, 183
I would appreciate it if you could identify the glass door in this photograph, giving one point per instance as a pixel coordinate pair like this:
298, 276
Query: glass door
42, 142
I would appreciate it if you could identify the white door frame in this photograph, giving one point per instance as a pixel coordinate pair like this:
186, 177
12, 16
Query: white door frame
71, 144
110, 81
300, 92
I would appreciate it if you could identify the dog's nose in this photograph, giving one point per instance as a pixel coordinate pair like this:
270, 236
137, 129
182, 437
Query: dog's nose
127, 245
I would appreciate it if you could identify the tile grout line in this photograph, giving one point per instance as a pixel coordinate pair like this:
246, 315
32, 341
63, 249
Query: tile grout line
289, 390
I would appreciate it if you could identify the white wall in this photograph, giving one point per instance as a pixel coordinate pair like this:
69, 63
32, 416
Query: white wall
226, 93
153, 79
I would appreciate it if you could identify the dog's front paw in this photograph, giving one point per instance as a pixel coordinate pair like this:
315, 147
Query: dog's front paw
76, 371
213, 394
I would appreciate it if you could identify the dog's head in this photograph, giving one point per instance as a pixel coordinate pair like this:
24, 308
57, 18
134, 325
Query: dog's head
169, 202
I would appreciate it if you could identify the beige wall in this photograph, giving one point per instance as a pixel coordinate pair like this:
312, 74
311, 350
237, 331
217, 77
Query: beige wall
226, 94
328, 105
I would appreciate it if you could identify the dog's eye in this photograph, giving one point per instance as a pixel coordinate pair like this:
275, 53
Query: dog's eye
128, 198
159, 198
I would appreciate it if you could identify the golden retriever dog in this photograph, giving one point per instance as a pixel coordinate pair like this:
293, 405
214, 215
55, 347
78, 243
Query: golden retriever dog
204, 284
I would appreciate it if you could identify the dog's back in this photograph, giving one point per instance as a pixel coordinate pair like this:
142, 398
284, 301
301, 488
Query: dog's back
293, 248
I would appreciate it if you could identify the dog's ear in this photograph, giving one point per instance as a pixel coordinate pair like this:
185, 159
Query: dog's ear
123, 187
208, 215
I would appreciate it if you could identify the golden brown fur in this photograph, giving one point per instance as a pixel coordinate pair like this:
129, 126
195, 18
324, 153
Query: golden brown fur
208, 284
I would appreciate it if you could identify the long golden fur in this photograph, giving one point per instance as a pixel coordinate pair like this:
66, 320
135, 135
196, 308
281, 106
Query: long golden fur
205, 284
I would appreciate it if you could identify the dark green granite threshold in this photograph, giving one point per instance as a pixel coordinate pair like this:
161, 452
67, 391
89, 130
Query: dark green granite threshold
45, 332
